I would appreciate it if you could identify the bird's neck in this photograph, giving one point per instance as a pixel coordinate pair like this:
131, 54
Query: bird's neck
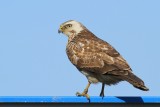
70, 37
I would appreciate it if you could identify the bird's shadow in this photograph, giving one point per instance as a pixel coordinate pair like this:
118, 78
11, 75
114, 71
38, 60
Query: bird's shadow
132, 99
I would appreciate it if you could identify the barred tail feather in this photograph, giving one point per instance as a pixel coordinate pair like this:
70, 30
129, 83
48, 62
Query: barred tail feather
135, 81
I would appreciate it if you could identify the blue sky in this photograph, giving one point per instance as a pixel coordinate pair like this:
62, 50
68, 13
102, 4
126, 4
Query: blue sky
33, 61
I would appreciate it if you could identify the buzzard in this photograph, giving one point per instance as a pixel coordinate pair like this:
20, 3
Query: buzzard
96, 59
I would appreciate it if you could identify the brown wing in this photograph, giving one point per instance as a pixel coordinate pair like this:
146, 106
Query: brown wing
87, 52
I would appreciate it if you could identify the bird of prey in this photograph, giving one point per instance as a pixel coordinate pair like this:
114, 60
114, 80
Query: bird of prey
96, 59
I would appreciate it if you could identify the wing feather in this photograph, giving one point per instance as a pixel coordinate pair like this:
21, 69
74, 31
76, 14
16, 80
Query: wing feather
93, 54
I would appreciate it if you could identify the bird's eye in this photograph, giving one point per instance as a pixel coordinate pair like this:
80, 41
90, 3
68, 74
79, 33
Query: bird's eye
66, 26
69, 25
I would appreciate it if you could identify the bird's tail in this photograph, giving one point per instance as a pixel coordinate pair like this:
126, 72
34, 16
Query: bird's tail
135, 81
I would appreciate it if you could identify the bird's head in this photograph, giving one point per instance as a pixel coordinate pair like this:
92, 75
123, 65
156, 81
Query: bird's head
70, 27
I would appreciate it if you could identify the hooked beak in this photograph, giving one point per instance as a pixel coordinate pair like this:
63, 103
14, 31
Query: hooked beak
59, 31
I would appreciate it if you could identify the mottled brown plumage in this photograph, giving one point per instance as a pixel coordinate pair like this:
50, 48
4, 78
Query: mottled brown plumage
97, 59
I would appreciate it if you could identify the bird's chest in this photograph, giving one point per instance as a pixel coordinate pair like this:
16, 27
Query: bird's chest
72, 51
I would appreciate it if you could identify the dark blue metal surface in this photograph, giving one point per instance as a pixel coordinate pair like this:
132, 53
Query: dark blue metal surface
74, 99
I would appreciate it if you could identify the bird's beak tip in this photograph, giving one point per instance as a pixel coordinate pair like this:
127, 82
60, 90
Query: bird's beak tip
59, 31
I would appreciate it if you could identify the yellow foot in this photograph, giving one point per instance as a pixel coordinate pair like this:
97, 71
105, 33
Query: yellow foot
84, 94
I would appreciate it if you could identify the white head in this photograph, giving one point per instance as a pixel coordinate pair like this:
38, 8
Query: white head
71, 27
